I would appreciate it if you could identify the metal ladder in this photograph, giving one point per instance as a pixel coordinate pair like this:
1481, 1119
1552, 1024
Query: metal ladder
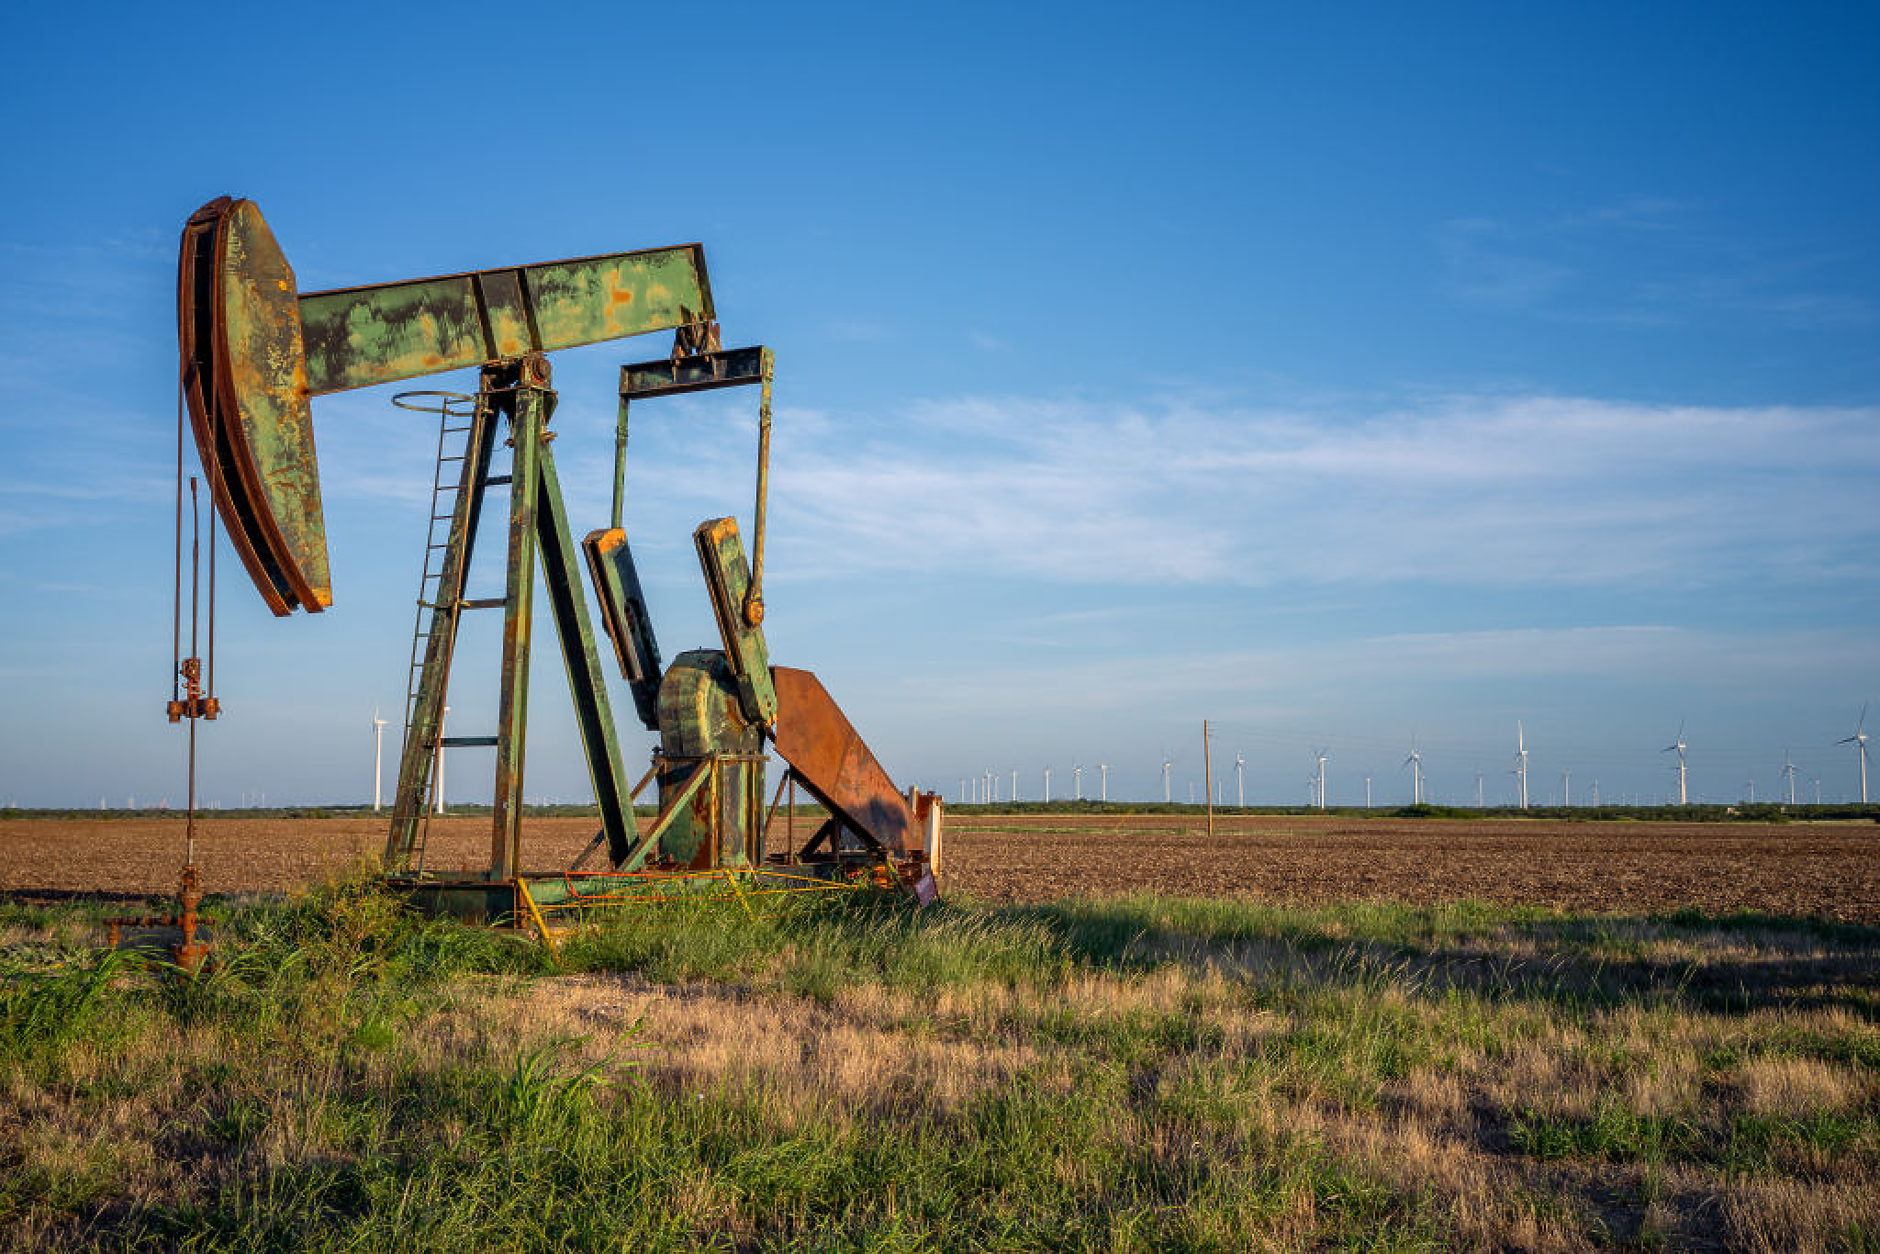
433, 599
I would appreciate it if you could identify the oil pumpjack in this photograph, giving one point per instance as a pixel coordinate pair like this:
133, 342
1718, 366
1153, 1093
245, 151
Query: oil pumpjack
255, 350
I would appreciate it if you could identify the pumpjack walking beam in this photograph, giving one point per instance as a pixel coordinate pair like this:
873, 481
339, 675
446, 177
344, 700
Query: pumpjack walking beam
518, 391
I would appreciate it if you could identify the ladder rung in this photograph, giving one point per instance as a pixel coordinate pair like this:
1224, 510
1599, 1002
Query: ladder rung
467, 742
497, 480
483, 603
450, 459
441, 517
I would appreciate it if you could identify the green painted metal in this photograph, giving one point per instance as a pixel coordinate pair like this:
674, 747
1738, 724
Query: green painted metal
359, 336
754, 596
245, 381
728, 580
700, 717
671, 807
624, 616
669, 376
561, 577
471, 901
528, 402
620, 464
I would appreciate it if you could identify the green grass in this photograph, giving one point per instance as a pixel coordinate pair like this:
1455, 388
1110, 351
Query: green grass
1141, 1073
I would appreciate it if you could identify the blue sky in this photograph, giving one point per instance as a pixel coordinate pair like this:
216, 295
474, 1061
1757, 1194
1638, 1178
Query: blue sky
1346, 376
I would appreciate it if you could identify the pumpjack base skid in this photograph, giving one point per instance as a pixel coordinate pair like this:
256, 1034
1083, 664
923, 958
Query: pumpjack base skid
554, 899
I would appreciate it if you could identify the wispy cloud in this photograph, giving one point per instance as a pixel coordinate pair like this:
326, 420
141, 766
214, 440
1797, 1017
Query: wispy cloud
1640, 261
1484, 263
1468, 490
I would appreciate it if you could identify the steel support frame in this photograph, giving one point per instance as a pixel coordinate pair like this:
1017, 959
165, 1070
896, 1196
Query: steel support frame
519, 391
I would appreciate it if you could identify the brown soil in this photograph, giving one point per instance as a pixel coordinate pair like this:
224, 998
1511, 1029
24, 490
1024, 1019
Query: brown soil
1825, 869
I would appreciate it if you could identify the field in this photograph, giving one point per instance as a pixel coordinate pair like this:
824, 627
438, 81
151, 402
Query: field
1114, 1034
1829, 870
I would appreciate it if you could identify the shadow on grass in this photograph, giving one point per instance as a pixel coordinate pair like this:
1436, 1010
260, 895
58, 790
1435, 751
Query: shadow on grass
1728, 964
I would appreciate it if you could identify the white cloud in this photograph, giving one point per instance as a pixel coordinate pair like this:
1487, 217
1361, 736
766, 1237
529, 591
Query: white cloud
1465, 490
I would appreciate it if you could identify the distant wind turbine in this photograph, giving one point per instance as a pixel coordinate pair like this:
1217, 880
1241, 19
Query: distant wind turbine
1415, 762
1077, 776
440, 759
1859, 741
1240, 780
1680, 746
1318, 779
1103, 782
1047, 785
1520, 762
1788, 769
378, 758
1165, 765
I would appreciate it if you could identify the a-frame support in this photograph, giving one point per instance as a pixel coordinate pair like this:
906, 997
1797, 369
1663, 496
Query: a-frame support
517, 390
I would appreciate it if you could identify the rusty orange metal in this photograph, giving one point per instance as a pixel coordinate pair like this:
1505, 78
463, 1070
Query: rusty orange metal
831, 760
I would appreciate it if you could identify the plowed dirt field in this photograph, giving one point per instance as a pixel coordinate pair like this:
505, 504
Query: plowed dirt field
1826, 869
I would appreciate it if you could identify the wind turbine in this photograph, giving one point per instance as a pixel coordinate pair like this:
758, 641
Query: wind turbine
1520, 761
440, 760
1165, 765
1077, 778
1415, 761
1859, 741
378, 758
1318, 780
1788, 769
1014, 785
1103, 785
1680, 746
1047, 785
1566, 789
1240, 780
